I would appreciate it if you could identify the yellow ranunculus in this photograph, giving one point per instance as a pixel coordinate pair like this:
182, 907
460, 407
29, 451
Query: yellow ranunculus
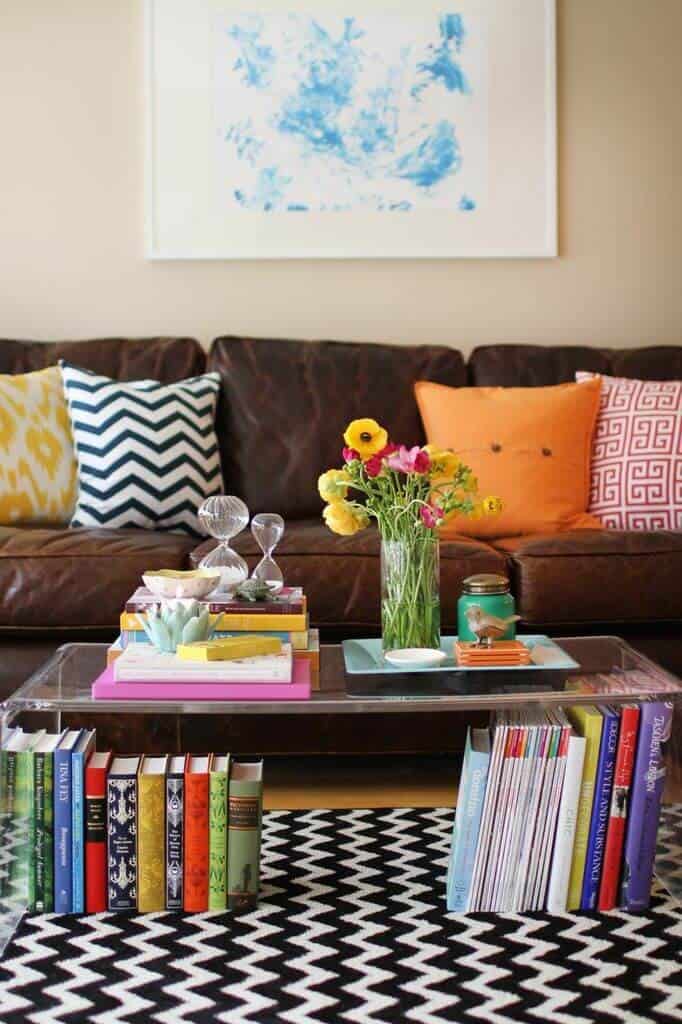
491, 506
333, 485
470, 484
366, 437
343, 518
444, 462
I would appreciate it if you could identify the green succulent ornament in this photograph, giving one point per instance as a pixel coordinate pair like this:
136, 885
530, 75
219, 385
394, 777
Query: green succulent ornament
177, 622
254, 590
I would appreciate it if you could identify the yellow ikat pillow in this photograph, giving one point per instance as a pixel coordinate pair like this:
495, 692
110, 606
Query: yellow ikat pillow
37, 460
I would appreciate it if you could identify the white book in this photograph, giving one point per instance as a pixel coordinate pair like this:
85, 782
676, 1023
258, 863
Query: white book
552, 815
520, 816
502, 810
560, 872
546, 773
491, 796
519, 760
531, 814
142, 663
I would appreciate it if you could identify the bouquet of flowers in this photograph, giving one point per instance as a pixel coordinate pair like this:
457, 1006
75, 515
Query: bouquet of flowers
409, 492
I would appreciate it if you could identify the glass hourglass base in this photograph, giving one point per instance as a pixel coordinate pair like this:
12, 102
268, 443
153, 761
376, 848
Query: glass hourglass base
269, 572
233, 568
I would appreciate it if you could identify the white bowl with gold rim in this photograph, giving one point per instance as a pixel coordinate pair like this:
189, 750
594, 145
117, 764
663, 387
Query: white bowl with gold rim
178, 583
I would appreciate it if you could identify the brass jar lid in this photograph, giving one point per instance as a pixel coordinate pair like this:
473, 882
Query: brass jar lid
486, 583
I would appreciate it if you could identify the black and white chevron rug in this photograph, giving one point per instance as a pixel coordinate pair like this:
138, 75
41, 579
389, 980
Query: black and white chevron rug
351, 929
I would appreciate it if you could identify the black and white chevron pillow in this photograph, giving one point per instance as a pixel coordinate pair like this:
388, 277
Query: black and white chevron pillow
147, 452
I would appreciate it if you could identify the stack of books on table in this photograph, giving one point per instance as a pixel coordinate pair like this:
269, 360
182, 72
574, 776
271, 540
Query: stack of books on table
558, 810
85, 831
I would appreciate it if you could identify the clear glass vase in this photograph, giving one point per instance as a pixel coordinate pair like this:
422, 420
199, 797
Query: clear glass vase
410, 598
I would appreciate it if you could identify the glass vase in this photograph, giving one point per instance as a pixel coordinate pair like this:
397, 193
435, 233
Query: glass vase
410, 599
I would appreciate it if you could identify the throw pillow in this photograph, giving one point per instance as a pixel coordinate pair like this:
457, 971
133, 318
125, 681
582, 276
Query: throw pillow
147, 452
637, 454
37, 461
529, 446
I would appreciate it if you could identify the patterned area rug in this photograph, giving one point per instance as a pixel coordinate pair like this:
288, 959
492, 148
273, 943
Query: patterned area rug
351, 928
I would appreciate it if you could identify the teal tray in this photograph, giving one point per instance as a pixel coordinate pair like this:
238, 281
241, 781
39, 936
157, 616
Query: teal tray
366, 657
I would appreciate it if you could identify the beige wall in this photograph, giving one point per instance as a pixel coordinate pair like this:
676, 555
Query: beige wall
71, 204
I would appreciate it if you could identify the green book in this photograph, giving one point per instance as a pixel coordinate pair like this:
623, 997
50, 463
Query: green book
41, 864
7, 788
245, 813
21, 827
217, 832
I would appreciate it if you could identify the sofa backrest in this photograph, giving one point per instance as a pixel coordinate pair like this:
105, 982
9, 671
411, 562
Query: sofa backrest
164, 359
538, 365
285, 404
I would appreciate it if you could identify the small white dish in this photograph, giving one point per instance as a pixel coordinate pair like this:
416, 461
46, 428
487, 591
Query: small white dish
415, 657
193, 584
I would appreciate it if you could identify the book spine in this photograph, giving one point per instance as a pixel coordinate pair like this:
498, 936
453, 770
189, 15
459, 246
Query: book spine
599, 820
565, 833
245, 812
174, 841
196, 843
121, 845
615, 836
592, 733
299, 639
151, 843
647, 791
41, 898
95, 841
63, 892
20, 865
77, 833
217, 842
7, 787
467, 826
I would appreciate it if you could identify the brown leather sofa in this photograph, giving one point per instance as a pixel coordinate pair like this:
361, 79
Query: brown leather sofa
283, 408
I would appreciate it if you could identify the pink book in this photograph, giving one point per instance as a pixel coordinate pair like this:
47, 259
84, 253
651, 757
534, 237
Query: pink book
104, 688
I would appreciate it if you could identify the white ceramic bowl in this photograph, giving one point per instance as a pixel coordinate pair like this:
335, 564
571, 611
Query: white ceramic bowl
415, 657
189, 584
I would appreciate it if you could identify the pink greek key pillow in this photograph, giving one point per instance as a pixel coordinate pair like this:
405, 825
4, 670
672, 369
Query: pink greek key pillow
637, 454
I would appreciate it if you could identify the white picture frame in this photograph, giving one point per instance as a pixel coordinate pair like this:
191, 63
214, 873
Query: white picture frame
204, 201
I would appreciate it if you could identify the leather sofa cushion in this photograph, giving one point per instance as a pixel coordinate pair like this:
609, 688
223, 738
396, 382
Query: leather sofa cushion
78, 579
341, 577
597, 576
537, 365
285, 405
164, 359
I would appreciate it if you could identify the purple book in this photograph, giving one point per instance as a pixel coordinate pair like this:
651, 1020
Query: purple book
645, 804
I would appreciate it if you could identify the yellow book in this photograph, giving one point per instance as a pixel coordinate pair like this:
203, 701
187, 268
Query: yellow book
151, 834
587, 721
229, 648
130, 622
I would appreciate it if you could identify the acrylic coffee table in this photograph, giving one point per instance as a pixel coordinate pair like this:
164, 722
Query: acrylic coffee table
610, 671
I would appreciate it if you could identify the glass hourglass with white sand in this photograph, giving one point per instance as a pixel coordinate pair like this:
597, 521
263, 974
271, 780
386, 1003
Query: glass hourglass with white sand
268, 529
224, 516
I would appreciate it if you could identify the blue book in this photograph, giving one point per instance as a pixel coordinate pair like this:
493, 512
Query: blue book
601, 807
472, 788
63, 822
79, 759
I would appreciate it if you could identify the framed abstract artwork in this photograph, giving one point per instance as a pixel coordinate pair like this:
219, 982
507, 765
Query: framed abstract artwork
283, 129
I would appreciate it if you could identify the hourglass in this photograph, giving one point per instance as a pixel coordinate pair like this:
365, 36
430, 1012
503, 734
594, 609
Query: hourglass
224, 516
268, 528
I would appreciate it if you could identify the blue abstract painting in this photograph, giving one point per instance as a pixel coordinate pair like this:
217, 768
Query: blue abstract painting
357, 112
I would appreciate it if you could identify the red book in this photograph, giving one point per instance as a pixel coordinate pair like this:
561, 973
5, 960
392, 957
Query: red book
197, 769
96, 771
615, 835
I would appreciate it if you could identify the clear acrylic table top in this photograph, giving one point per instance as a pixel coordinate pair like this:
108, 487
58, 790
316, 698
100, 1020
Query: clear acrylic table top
610, 670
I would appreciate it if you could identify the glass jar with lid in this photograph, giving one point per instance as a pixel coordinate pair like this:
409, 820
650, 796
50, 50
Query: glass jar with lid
490, 591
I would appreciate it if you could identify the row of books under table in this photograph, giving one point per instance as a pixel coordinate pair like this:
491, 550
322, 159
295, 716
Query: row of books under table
558, 810
86, 831
136, 671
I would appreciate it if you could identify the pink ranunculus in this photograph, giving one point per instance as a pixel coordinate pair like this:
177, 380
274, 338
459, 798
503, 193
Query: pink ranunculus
409, 460
431, 515
350, 455
375, 463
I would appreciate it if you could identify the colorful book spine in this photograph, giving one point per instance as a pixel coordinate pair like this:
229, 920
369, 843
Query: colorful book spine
645, 805
23, 826
562, 856
196, 834
105, 688
601, 804
468, 818
79, 759
175, 785
615, 836
121, 833
217, 834
587, 721
63, 835
151, 839
96, 772
8, 767
239, 623
41, 877
245, 814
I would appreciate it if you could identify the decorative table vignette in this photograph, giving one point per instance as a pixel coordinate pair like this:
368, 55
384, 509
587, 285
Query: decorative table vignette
410, 492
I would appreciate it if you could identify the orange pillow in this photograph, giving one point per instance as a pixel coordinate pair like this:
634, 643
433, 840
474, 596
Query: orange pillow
530, 446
